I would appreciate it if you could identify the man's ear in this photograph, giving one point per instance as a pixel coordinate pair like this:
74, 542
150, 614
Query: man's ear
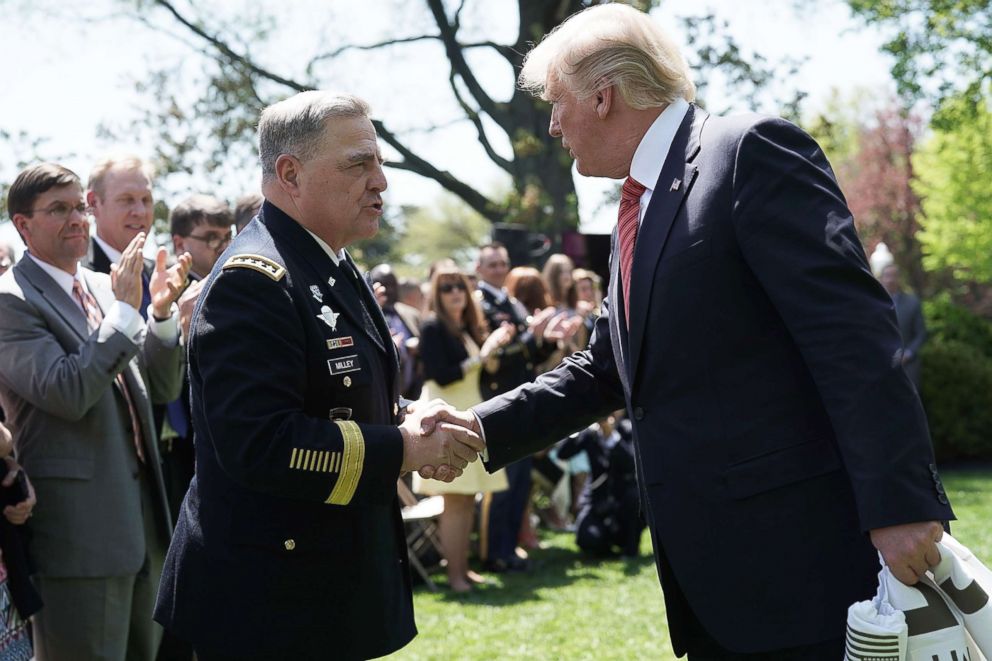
604, 100
178, 244
288, 169
91, 198
21, 222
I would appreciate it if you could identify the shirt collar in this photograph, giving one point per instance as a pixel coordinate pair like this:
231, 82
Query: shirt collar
336, 257
651, 153
498, 292
113, 254
62, 278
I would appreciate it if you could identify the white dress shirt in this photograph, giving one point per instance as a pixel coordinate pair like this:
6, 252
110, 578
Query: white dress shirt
654, 147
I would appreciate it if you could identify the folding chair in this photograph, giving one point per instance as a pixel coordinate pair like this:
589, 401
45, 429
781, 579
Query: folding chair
420, 518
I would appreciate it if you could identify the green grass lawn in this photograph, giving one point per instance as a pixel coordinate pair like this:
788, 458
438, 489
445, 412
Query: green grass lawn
572, 608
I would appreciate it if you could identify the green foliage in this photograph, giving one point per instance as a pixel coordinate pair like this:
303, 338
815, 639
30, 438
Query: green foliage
446, 229
953, 171
957, 381
940, 48
946, 321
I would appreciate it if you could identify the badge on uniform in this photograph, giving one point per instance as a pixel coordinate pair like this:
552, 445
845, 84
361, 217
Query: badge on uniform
315, 290
344, 364
331, 281
339, 342
329, 316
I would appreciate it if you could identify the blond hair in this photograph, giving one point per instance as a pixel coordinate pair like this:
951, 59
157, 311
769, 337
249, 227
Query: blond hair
116, 161
607, 45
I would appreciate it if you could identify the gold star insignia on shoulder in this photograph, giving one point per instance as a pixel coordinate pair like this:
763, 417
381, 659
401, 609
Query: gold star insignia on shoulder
257, 263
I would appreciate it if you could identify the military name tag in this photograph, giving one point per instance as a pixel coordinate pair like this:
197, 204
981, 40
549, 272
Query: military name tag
339, 342
344, 364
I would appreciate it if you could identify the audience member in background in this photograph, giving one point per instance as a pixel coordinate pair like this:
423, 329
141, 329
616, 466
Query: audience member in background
588, 293
404, 326
411, 294
200, 226
455, 349
6, 256
528, 286
536, 338
120, 197
909, 314
245, 208
78, 372
609, 513
558, 276
18, 598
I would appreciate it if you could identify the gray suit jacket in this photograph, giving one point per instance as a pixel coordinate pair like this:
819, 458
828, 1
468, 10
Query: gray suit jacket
71, 423
909, 314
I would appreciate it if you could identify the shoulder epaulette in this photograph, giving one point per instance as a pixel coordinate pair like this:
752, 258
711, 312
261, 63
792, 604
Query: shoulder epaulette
258, 263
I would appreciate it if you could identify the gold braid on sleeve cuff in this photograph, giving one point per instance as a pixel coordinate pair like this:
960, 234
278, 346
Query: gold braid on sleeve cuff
352, 461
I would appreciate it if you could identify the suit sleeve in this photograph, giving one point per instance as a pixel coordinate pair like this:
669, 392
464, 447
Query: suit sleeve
439, 364
38, 368
164, 365
250, 358
797, 236
582, 389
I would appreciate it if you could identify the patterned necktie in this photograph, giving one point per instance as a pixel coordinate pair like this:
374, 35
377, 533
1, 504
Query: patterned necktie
94, 317
630, 212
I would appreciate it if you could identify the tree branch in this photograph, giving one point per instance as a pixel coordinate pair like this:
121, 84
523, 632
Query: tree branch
456, 57
389, 42
473, 117
413, 163
227, 52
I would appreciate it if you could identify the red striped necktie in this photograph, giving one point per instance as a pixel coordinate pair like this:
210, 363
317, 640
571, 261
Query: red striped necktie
94, 317
627, 226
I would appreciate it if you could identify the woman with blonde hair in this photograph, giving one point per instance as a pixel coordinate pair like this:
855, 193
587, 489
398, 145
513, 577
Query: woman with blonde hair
454, 349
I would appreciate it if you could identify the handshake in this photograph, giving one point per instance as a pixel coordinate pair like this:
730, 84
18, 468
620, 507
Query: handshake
438, 441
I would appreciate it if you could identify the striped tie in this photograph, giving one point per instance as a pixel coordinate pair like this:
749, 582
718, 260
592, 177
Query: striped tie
94, 317
630, 212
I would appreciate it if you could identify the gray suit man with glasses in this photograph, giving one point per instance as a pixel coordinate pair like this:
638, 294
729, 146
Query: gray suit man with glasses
79, 369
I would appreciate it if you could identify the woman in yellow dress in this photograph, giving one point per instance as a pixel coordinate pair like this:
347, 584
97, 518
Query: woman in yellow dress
454, 349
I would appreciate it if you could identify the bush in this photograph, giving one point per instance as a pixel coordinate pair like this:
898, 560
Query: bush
956, 380
946, 321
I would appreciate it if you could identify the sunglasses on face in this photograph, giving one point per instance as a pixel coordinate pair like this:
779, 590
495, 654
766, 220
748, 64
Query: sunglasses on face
449, 287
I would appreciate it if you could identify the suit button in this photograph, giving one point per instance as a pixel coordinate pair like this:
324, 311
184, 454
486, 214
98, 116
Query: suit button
290, 544
638, 413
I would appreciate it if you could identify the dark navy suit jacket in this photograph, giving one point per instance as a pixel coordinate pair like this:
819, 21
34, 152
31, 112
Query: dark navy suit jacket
773, 425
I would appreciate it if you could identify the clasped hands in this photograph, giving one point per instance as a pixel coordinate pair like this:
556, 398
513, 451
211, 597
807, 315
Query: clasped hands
165, 285
438, 441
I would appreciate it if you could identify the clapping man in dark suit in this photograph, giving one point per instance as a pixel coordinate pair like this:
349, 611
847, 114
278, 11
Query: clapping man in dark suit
779, 442
79, 369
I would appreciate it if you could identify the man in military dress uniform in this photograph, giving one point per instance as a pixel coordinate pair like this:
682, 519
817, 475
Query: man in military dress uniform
290, 542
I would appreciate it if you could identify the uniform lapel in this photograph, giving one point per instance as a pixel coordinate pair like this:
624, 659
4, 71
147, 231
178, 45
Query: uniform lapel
676, 178
61, 302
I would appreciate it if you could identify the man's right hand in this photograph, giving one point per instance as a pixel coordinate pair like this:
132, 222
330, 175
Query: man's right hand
449, 447
125, 276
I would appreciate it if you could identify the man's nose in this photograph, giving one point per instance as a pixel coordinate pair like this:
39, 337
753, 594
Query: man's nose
377, 182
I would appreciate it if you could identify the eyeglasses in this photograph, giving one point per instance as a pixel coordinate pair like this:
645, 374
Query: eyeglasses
449, 287
62, 211
212, 240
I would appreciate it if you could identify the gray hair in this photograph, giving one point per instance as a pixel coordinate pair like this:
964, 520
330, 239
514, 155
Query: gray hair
296, 125
607, 45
